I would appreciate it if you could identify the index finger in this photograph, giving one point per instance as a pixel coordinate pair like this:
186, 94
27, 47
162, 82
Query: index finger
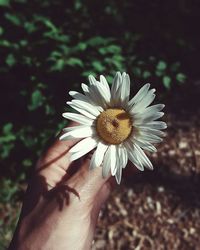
55, 161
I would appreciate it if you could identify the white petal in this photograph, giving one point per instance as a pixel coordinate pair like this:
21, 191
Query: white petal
152, 117
150, 138
122, 159
82, 148
125, 88
144, 159
92, 79
102, 91
94, 93
116, 83
157, 125
116, 101
92, 96
128, 85
96, 96
104, 82
155, 108
116, 88
85, 88
106, 163
143, 118
125, 159
94, 99
77, 132
122, 156
146, 101
73, 128
132, 156
79, 96
145, 145
140, 95
86, 106
82, 111
118, 174
113, 159
78, 118
98, 155
151, 131
117, 163
81, 144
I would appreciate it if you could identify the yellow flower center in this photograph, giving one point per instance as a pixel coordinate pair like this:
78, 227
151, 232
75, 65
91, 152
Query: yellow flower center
114, 125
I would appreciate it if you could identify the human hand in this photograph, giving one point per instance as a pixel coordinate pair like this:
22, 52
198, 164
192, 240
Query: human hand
62, 203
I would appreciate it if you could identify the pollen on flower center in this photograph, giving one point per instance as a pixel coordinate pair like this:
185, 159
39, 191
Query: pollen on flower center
114, 125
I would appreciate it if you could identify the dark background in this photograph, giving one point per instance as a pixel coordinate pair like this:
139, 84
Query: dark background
49, 47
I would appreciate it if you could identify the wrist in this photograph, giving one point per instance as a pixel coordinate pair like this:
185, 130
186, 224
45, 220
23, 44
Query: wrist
70, 229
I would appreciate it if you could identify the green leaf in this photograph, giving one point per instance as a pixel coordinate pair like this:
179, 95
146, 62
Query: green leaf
23, 42
1, 30
98, 66
109, 79
118, 58
146, 74
180, 77
81, 46
56, 36
137, 71
74, 62
36, 100
6, 140
5, 3
6, 149
14, 19
78, 5
49, 110
5, 43
114, 49
161, 66
10, 60
167, 82
97, 40
58, 65
30, 27
87, 73
103, 51
7, 128
159, 73
27, 162
8, 190
46, 22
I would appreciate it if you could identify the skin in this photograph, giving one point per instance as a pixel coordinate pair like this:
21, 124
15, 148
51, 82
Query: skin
62, 203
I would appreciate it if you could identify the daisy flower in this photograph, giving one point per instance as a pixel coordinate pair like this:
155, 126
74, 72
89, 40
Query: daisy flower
118, 127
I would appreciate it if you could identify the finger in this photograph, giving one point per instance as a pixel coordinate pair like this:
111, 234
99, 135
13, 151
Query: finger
57, 151
101, 198
53, 164
88, 182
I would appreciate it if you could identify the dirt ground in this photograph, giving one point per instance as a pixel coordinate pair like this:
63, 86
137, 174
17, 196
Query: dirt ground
158, 209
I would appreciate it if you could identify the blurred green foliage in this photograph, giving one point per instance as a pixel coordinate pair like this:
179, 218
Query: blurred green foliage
50, 47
